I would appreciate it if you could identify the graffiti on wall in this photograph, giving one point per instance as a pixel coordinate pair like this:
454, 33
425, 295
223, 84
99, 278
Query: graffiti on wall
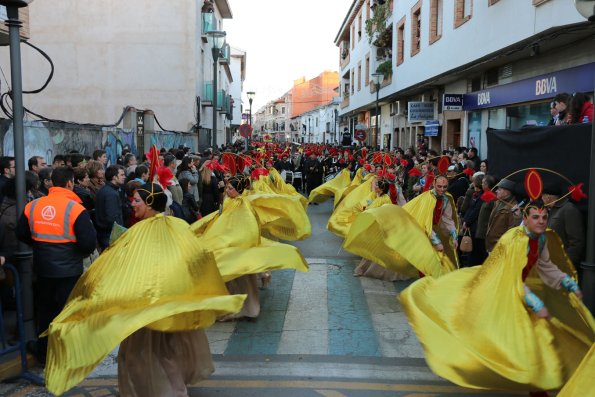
49, 139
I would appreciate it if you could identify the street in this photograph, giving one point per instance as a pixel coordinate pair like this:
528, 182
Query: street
321, 333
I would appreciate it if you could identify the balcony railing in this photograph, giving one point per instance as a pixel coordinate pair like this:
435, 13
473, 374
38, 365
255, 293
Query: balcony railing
225, 54
207, 91
208, 22
345, 102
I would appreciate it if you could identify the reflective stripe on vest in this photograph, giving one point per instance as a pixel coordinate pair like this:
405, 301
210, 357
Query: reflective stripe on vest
64, 237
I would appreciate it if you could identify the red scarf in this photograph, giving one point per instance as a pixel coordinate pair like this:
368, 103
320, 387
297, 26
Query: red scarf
532, 257
437, 211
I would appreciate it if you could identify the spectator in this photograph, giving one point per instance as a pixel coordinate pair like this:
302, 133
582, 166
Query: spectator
109, 204
96, 177
45, 180
483, 166
470, 217
101, 156
32, 179
78, 160
458, 182
7, 172
472, 157
141, 174
561, 103
58, 161
169, 160
502, 216
487, 184
208, 190
130, 163
188, 170
36, 163
580, 109
554, 113
189, 206
57, 256
81, 189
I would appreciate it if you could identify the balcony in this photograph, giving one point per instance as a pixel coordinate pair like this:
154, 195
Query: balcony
225, 54
345, 101
207, 93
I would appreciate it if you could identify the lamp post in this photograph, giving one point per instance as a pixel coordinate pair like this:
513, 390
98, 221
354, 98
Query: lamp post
587, 9
378, 78
23, 254
217, 40
250, 95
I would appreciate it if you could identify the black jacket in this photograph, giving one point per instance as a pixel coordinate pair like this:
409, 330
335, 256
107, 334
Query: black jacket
59, 260
108, 210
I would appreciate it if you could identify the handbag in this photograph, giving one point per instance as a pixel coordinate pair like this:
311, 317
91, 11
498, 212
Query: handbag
466, 242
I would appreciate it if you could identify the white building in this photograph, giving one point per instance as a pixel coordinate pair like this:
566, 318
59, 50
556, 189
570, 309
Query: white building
507, 59
238, 73
320, 125
111, 54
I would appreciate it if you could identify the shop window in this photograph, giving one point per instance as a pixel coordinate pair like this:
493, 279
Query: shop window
435, 20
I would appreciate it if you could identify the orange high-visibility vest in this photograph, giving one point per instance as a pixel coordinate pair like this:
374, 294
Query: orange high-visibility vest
51, 218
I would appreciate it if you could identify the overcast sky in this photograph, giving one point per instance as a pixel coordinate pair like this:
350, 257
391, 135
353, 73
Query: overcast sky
284, 41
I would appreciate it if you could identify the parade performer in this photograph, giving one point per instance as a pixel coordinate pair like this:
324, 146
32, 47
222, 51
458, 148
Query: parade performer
420, 237
331, 188
153, 290
514, 323
236, 238
581, 382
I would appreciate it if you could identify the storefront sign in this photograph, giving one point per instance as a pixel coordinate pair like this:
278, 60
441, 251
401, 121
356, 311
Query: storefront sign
420, 111
452, 102
432, 128
577, 79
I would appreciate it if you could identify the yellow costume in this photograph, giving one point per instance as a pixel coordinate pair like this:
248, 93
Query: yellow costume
332, 188
398, 238
156, 275
351, 206
277, 185
234, 236
581, 382
477, 332
358, 179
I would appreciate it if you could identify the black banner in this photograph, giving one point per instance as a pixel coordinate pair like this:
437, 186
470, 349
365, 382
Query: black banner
563, 149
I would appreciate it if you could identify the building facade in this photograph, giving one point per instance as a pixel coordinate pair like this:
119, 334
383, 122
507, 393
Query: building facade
505, 61
128, 54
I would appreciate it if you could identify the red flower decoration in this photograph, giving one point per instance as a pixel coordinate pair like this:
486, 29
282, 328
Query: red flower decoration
429, 181
350, 157
404, 163
368, 167
387, 160
488, 196
381, 174
468, 171
165, 175
342, 161
443, 164
362, 161
258, 172
533, 184
391, 177
229, 162
414, 172
576, 192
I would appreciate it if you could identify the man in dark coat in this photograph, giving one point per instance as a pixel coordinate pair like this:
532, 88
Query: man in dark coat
313, 170
109, 204
566, 220
502, 217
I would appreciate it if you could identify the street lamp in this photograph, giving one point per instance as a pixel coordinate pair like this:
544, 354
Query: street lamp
250, 95
217, 40
587, 9
377, 78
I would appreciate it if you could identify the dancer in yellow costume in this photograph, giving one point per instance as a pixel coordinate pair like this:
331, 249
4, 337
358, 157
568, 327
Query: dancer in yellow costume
357, 180
581, 382
154, 290
420, 237
235, 236
332, 188
361, 198
515, 323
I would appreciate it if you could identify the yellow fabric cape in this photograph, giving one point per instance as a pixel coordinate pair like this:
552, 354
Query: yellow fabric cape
581, 382
389, 236
476, 331
331, 188
278, 185
234, 237
281, 216
355, 203
156, 275
421, 209
358, 179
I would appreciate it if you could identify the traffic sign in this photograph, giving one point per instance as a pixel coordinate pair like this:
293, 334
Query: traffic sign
360, 135
245, 130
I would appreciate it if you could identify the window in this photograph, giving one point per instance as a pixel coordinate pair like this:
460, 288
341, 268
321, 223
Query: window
401, 41
435, 20
283, 110
367, 9
359, 76
353, 36
416, 28
359, 27
367, 70
352, 81
463, 11
492, 2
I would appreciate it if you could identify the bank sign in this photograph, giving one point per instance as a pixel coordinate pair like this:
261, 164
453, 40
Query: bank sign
420, 111
452, 102
577, 79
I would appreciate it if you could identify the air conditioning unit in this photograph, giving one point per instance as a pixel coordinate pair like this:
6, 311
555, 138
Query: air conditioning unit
398, 108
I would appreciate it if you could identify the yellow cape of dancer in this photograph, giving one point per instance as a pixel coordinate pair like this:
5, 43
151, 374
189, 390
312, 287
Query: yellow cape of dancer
476, 331
275, 184
354, 204
156, 275
581, 382
395, 238
331, 188
358, 179
234, 237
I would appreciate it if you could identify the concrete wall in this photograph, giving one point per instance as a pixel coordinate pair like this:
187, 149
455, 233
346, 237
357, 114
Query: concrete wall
113, 53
